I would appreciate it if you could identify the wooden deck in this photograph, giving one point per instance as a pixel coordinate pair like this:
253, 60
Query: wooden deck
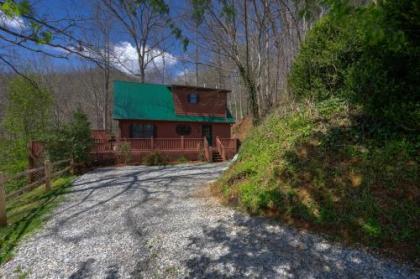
173, 148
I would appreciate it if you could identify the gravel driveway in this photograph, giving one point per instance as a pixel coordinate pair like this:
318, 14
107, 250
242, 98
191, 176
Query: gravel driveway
153, 222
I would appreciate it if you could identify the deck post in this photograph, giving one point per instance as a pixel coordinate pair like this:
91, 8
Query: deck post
3, 216
47, 169
182, 142
152, 143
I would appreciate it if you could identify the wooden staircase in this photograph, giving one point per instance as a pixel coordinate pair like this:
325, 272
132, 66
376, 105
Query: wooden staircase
216, 157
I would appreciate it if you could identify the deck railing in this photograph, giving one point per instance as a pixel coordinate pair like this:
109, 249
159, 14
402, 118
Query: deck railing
225, 146
139, 143
193, 143
229, 143
102, 145
164, 143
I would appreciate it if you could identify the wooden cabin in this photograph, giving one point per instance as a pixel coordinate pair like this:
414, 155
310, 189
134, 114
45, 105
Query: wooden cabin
176, 120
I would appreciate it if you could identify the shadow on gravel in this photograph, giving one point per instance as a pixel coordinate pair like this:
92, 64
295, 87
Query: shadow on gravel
257, 249
139, 183
84, 270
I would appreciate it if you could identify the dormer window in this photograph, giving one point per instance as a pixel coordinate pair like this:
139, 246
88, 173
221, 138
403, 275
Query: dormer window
193, 98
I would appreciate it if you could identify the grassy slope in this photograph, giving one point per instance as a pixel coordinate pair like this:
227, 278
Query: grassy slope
321, 168
26, 213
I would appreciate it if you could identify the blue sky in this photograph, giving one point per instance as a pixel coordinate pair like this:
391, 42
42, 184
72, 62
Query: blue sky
62, 9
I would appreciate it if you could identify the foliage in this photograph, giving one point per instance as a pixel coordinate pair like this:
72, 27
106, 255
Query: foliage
73, 140
124, 152
367, 55
331, 169
13, 156
39, 32
27, 117
346, 164
26, 213
182, 160
12, 8
28, 110
155, 159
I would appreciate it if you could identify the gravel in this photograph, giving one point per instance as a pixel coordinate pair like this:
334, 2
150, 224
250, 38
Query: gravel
158, 222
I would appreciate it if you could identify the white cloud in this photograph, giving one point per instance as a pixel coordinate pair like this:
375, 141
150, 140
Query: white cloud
126, 58
183, 73
11, 22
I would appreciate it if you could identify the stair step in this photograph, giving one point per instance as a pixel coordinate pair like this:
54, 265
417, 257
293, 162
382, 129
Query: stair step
216, 157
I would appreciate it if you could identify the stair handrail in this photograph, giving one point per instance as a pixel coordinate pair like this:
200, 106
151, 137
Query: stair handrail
221, 148
206, 150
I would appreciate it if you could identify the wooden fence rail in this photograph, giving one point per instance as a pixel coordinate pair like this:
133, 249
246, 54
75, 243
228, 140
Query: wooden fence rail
48, 175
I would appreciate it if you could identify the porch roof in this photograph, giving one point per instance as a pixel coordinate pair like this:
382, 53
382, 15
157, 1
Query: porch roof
146, 101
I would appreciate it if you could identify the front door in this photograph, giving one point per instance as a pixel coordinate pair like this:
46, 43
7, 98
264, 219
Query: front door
206, 132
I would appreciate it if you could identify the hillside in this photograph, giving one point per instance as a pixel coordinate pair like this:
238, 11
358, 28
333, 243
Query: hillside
344, 159
326, 168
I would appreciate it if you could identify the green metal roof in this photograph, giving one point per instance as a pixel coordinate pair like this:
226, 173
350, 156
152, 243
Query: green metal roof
145, 101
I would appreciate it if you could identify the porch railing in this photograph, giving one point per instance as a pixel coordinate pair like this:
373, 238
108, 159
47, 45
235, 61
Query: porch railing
164, 143
102, 145
225, 146
139, 143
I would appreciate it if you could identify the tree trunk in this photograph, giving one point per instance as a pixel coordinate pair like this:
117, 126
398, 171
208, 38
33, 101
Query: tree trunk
251, 88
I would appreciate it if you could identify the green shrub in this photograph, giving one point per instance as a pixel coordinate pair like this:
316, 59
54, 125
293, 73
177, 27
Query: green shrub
155, 159
182, 160
124, 152
28, 110
72, 141
368, 56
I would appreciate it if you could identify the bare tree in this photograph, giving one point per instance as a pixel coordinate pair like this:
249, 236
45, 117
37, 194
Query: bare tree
101, 34
224, 33
145, 25
260, 39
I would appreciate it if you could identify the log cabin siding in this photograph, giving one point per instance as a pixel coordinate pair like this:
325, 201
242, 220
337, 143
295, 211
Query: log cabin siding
211, 102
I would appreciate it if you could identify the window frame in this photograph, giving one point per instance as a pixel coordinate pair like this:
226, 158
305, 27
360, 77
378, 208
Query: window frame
196, 98
180, 133
144, 131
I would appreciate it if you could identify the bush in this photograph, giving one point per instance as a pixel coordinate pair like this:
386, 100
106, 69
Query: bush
368, 56
182, 160
124, 152
28, 110
155, 159
72, 141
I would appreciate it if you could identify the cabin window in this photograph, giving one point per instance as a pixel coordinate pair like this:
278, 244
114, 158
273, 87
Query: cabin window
142, 130
193, 98
183, 130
